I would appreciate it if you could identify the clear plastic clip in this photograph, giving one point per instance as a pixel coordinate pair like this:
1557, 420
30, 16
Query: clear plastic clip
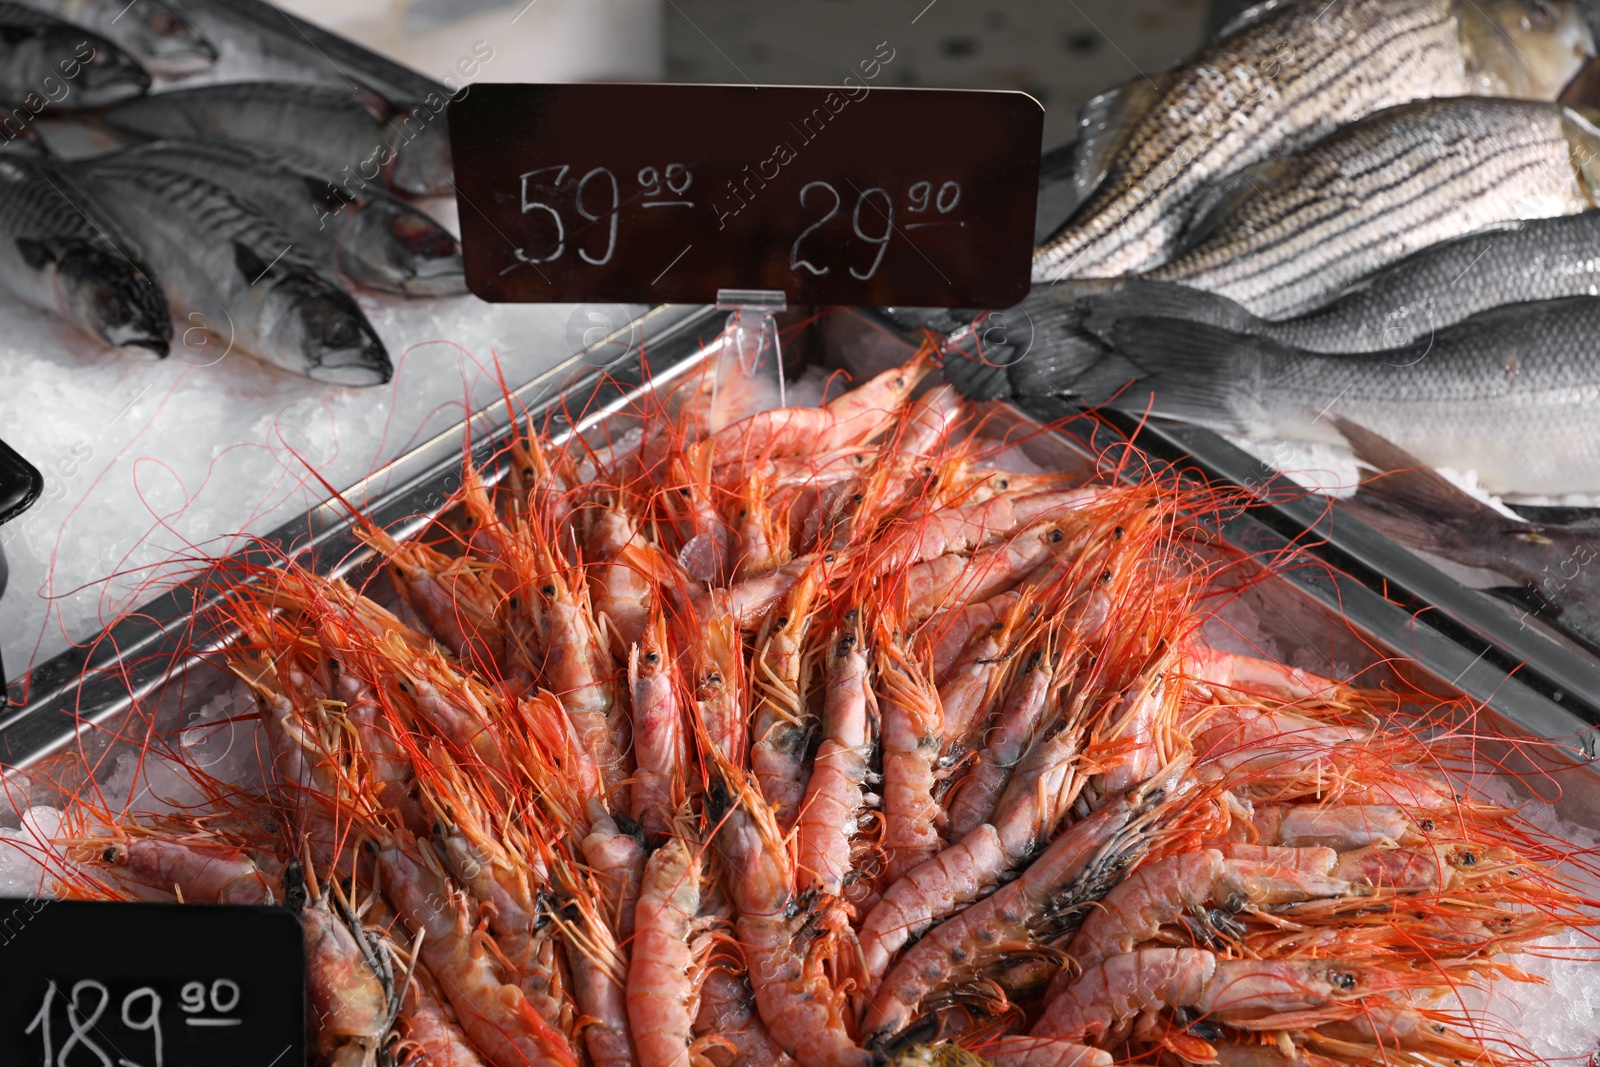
749, 375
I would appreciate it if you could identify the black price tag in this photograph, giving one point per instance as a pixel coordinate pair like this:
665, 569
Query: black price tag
150, 985
666, 193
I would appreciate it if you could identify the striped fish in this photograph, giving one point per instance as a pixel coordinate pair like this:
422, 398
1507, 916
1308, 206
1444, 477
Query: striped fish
1286, 75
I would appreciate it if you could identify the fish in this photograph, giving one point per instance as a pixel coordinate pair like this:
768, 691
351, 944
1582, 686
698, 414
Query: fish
371, 236
1421, 508
1510, 393
1285, 236
353, 135
263, 38
152, 31
57, 253
234, 276
47, 62
1281, 77
1509, 263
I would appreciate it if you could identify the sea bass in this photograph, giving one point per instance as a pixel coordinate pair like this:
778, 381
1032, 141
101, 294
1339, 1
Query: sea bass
57, 254
50, 62
1510, 393
354, 135
1290, 74
151, 31
1511, 263
1286, 234
371, 236
233, 273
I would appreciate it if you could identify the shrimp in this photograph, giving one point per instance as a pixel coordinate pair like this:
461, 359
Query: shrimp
452, 597
497, 1018
575, 672
973, 800
663, 980
1200, 888
1247, 994
929, 421
787, 940
349, 984
622, 569
728, 1013
1046, 901
763, 542
432, 1037
956, 578
782, 725
1141, 735
1209, 670
1021, 1051
660, 744
947, 633
599, 971
720, 688
614, 849
913, 725
1341, 827
1383, 1029
192, 869
834, 795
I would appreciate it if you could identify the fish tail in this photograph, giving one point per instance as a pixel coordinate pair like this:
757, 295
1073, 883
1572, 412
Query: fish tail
1176, 368
1143, 299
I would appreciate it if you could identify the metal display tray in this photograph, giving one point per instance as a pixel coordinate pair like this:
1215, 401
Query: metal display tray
1306, 609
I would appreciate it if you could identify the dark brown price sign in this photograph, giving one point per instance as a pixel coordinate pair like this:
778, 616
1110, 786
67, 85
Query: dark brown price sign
667, 193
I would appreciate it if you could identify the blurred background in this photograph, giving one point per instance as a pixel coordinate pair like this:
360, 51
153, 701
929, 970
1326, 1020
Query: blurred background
1060, 51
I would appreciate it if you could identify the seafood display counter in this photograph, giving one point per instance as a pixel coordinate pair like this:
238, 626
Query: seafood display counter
137, 743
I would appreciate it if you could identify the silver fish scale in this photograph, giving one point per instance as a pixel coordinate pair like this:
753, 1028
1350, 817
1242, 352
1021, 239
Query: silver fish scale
1512, 395
1349, 59
1380, 190
212, 209
1439, 286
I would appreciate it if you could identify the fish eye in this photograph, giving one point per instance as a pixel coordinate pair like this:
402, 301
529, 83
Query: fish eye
1544, 14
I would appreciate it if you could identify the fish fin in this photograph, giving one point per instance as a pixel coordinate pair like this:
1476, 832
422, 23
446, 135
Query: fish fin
1104, 124
975, 378
1180, 369
1143, 299
1221, 198
36, 254
1034, 349
250, 265
1401, 481
1246, 17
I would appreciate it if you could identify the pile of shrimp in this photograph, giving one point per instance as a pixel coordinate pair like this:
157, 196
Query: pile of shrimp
816, 738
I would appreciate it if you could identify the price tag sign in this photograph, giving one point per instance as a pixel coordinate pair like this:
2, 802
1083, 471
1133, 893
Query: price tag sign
87, 984
666, 193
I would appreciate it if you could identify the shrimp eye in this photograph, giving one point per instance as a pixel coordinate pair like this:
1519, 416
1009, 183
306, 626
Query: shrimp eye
858, 498
783, 620
828, 558
1467, 859
404, 688
512, 603
1346, 982
111, 855
713, 678
548, 590
527, 472
333, 665
900, 383
1056, 537
743, 512
1426, 826
1438, 1028
1105, 577
684, 489
652, 658
1117, 533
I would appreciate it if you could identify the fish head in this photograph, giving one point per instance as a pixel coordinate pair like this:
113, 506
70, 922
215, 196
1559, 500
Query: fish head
392, 247
107, 295
314, 328
108, 75
1524, 49
166, 42
422, 164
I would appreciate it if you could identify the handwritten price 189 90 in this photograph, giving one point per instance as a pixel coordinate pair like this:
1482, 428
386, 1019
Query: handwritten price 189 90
875, 207
86, 1006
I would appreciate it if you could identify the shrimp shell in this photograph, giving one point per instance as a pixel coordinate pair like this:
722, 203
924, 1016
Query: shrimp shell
833, 798
913, 725
661, 977
975, 798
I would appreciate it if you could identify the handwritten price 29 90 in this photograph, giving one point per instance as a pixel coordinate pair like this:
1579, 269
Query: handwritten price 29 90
875, 206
